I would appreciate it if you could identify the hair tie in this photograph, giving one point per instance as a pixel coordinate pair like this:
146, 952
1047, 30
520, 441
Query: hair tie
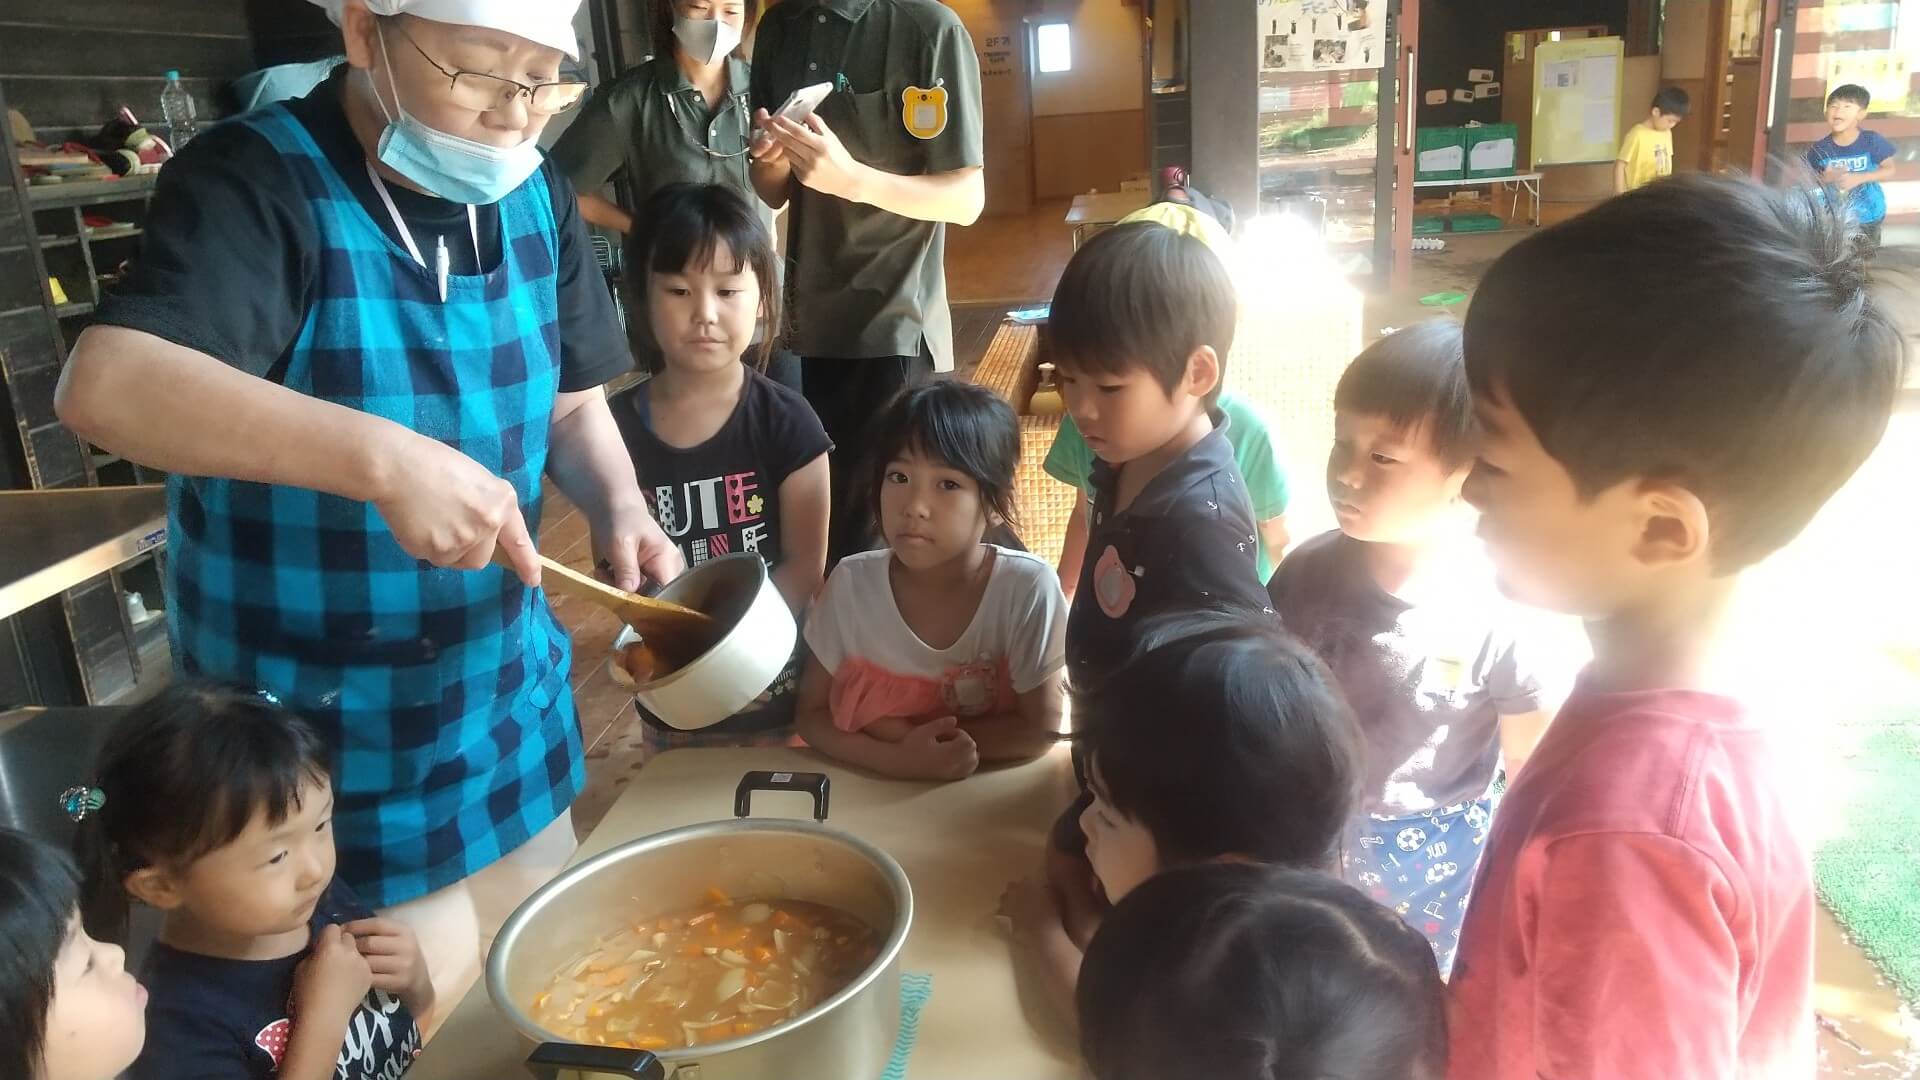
80, 801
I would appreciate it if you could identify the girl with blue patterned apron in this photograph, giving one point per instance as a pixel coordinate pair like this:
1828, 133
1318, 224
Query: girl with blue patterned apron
441, 680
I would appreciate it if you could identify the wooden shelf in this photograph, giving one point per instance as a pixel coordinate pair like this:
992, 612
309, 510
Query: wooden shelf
113, 232
90, 191
68, 311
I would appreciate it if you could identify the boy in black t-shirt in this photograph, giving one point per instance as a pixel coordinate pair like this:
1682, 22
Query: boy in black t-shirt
1140, 328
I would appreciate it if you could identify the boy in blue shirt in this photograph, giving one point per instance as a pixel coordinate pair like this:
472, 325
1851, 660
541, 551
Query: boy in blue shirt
1854, 161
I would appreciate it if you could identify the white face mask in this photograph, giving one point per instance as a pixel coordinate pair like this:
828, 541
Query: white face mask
706, 40
447, 165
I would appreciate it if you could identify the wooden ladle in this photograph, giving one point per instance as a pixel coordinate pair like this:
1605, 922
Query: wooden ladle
673, 628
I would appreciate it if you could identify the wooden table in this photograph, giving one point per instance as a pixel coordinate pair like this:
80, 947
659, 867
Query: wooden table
1103, 208
959, 844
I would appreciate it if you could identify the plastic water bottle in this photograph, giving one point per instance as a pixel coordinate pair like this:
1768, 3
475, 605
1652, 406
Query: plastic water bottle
176, 105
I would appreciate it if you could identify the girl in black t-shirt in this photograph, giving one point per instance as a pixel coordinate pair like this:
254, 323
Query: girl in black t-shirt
730, 460
215, 806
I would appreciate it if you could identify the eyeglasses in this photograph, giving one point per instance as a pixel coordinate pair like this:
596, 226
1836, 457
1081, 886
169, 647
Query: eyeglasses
485, 93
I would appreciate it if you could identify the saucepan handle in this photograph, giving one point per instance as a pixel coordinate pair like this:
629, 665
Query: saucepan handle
550, 1060
813, 783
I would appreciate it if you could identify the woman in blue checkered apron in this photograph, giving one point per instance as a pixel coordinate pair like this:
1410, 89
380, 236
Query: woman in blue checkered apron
341, 487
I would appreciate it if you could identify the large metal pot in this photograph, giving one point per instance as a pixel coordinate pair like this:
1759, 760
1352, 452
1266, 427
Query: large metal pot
737, 591
846, 1037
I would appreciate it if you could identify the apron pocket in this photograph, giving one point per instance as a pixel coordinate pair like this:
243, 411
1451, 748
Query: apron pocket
386, 700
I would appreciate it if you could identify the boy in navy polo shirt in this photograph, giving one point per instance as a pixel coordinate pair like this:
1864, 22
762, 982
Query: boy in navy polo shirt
1140, 328
1853, 161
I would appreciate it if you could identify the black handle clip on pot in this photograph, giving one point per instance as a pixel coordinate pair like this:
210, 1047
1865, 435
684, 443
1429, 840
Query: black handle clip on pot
549, 1060
813, 783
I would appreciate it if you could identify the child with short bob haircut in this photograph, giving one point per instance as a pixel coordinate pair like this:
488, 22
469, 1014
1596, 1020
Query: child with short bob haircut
1140, 328
1263, 767
69, 1010
212, 804
941, 650
1669, 387
731, 461
1401, 604
1234, 971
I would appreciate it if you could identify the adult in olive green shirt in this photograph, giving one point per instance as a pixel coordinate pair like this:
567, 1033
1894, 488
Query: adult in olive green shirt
676, 118
873, 178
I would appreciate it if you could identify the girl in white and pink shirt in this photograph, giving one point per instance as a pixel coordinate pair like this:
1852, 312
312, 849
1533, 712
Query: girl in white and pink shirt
941, 650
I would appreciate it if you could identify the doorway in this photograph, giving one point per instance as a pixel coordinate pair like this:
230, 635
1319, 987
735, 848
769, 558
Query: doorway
1087, 98
1328, 151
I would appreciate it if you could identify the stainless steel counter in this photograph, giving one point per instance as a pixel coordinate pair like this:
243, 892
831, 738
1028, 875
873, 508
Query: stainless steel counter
51, 541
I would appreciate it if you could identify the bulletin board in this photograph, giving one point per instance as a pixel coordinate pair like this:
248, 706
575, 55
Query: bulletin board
1576, 101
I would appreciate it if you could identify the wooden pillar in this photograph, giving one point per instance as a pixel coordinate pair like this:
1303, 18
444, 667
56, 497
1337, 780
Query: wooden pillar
1224, 88
1773, 43
1720, 13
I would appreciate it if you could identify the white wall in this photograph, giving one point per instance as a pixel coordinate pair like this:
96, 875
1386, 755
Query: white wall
1107, 73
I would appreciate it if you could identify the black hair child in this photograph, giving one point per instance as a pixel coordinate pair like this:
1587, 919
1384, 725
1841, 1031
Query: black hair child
68, 1008
684, 228
1222, 738
215, 808
943, 649
1669, 387
732, 460
1235, 971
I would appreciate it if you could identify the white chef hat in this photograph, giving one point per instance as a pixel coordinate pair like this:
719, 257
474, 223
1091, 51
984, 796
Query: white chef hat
543, 22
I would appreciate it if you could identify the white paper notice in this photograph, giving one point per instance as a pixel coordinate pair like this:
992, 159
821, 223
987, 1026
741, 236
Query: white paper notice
1561, 75
1479, 75
1597, 122
1436, 97
1486, 90
1597, 75
1443, 159
1492, 154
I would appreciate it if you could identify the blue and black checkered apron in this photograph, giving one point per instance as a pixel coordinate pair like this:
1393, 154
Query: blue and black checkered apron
444, 692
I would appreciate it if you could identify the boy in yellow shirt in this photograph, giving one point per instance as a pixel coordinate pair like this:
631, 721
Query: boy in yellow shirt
1646, 154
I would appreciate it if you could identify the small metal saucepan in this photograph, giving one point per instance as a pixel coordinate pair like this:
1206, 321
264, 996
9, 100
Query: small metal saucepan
739, 593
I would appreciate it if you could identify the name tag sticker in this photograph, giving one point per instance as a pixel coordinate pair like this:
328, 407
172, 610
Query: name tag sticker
924, 112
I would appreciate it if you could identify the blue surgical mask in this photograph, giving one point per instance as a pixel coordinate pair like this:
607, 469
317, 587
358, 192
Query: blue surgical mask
449, 166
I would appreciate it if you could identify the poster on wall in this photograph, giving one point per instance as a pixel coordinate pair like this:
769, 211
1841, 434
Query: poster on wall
1322, 35
1576, 101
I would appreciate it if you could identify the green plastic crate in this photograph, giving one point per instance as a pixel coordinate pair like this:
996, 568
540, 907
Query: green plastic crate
1495, 148
1439, 153
1477, 223
1428, 225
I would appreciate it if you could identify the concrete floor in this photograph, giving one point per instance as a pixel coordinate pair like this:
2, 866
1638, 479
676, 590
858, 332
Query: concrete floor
1860, 546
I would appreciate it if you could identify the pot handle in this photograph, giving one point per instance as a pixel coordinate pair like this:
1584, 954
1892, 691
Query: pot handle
813, 783
549, 1060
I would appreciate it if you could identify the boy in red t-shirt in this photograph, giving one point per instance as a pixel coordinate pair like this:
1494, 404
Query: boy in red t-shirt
1653, 426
